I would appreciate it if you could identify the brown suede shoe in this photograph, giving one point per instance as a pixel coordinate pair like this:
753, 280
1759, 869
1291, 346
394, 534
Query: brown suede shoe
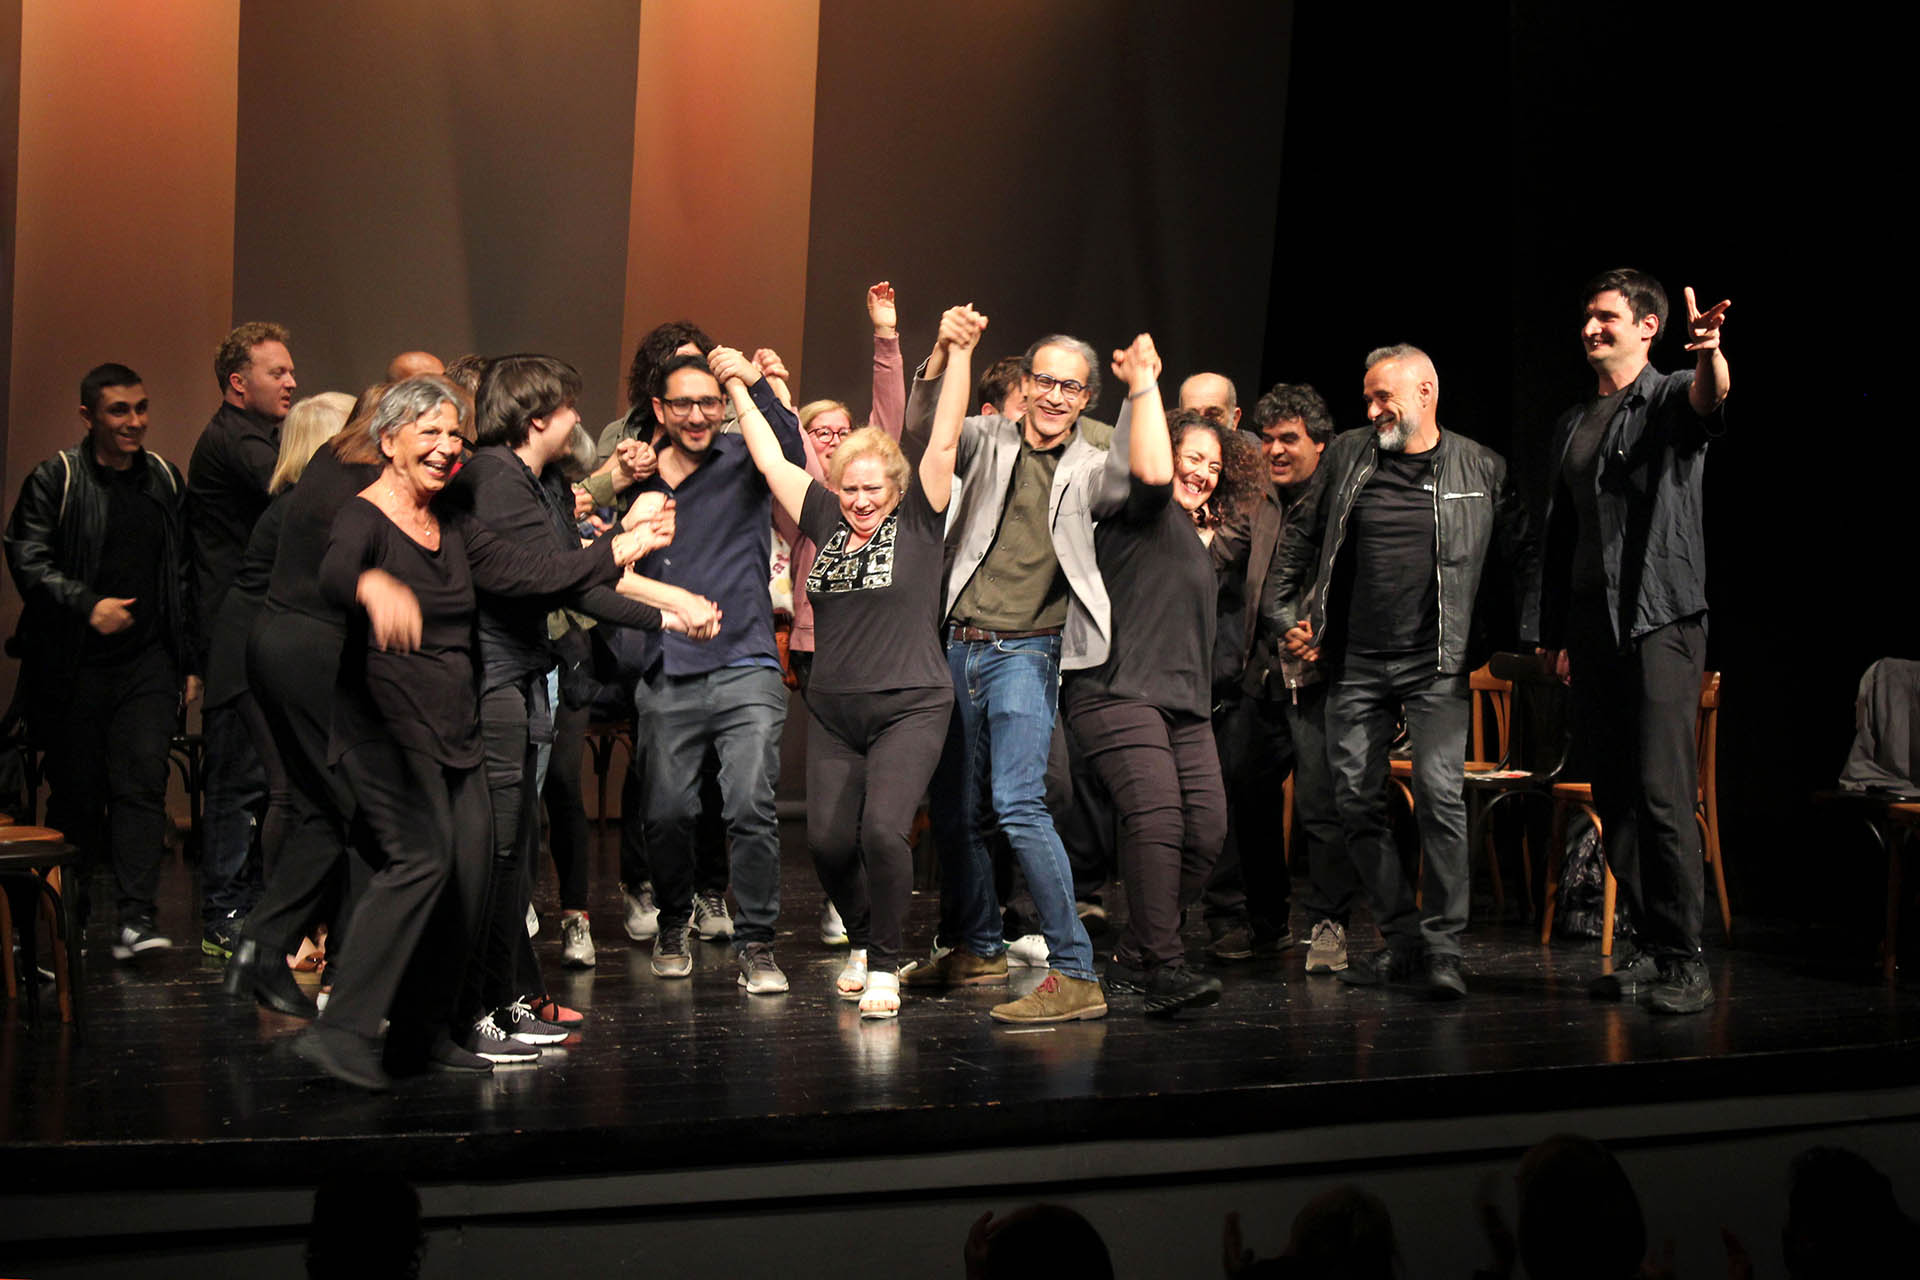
1058, 998
959, 968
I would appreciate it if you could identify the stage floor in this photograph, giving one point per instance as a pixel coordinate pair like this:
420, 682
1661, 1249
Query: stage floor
178, 1086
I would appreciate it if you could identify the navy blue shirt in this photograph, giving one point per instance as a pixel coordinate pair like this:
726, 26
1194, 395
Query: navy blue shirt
722, 547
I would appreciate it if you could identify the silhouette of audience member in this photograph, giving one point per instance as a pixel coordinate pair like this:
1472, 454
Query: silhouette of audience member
1579, 1216
1342, 1234
1842, 1218
366, 1226
1039, 1242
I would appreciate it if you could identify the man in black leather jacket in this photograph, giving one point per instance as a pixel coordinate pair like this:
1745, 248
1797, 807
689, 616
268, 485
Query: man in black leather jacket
1402, 526
98, 549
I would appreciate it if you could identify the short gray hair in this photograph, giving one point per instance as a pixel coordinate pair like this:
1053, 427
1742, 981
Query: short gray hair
1398, 351
412, 399
1078, 348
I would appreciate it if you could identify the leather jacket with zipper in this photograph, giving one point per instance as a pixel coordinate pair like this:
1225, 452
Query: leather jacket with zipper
1481, 530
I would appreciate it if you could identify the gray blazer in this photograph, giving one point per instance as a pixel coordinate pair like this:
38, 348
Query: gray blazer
1090, 484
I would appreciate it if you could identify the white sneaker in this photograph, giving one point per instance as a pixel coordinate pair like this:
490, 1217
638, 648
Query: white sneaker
576, 941
833, 930
758, 973
1030, 951
136, 938
533, 922
710, 917
643, 917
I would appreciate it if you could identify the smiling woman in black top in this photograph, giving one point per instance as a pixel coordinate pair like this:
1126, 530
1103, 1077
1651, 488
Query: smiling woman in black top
880, 696
1143, 716
405, 732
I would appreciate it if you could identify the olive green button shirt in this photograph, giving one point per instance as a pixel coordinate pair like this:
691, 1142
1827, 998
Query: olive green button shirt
1019, 586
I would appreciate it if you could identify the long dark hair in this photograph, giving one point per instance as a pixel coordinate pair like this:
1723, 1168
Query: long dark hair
1242, 470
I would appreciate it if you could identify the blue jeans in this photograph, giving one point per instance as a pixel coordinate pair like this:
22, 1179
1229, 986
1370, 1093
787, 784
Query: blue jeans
1367, 700
738, 713
236, 798
1005, 693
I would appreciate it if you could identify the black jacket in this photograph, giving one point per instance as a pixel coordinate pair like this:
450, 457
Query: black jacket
1651, 480
227, 487
54, 539
1481, 530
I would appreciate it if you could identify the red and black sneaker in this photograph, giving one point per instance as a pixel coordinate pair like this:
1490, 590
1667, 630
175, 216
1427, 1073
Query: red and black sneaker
547, 1009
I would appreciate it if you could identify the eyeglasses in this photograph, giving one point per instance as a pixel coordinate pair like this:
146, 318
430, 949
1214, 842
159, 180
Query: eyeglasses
824, 434
1047, 382
683, 406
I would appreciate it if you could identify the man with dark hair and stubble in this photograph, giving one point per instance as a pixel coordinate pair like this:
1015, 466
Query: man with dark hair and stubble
1394, 540
97, 545
1624, 613
226, 492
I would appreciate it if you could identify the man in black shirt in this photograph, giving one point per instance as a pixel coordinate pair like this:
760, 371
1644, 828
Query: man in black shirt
1623, 597
227, 491
1394, 537
98, 551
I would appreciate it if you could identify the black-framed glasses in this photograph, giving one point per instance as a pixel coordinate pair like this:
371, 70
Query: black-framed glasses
1047, 382
683, 406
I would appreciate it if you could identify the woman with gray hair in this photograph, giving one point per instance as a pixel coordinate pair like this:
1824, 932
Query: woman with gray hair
406, 735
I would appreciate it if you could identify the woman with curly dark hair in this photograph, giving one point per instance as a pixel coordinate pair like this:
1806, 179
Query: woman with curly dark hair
1143, 717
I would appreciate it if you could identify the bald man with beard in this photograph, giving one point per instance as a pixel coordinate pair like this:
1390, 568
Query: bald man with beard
1213, 395
1400, 527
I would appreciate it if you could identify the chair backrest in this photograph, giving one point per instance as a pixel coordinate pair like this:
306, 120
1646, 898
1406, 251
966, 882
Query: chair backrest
1539, 714
1706, 735
1492, 699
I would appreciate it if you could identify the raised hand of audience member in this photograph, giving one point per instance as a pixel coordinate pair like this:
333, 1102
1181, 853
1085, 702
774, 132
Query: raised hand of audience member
881, 310
774, 369
393, 612
1703, 327
729, 363
1493, 1225
1235, 1258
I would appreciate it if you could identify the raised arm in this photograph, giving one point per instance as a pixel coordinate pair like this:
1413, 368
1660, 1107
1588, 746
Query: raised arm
950, 412
1711, 378
918, 430
1150, 450
786, 478
889, 412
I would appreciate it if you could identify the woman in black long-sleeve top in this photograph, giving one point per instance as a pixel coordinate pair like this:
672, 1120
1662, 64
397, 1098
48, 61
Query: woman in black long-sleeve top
404, 729
525, 419
293, 657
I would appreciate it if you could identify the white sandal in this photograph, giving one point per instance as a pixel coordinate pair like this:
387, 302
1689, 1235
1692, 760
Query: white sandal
853, 978
882, 998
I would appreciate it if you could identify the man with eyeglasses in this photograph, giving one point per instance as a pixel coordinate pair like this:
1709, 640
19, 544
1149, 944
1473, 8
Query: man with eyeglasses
1212, 394
1024, 598
727, 694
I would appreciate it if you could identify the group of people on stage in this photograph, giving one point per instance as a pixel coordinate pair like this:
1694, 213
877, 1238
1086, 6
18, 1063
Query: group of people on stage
996, 602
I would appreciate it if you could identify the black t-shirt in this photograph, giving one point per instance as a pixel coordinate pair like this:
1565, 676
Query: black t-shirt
130, 562
1160, 580
429, 700
1579, 471
876, 610
1395, 580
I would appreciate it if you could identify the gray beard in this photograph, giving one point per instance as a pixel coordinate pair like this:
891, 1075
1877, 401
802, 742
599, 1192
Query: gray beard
1394, 439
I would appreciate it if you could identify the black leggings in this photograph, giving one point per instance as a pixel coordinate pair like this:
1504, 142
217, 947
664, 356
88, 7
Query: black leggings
566, 811
869, 759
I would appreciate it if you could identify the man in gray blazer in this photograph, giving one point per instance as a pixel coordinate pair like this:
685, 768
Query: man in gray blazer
1024, 599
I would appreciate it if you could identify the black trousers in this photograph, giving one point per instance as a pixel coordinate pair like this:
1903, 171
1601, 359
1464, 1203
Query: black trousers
566, 811
507, 968
869, 758
1163, 773
1637, 707
106, 734
1250, 880
432, 831
292, 662
1332, 881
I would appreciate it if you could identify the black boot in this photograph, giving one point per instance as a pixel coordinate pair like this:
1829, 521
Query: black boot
265, 974
344, 1055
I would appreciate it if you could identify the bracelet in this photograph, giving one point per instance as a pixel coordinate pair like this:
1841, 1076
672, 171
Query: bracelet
1135, 395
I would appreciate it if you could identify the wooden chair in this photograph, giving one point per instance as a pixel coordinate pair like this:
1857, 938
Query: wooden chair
1894, 823
1570, 797
188, 754
40, 861
1492, 705
602, 737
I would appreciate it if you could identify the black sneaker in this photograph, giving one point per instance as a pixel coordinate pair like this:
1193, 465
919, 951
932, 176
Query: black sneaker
1175, 987
491, 1041
444, 1055
1682, 988
221, 936
1125, 979
524, 1025
1444, 979
138, 937
1632, 974
1268, 945
1388, 964
1235, 942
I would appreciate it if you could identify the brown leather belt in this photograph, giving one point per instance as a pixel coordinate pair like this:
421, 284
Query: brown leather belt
980, 635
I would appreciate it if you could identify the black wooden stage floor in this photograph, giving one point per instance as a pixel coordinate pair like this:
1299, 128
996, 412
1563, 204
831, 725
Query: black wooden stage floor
175, 1085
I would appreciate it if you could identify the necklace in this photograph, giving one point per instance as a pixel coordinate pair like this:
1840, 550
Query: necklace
421, 520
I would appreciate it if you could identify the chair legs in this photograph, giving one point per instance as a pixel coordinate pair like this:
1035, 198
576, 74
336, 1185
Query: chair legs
61, 913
